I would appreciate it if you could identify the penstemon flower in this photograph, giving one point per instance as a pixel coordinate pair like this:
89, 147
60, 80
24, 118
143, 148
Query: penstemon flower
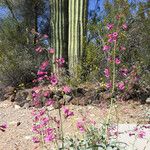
44, 65
66, 89
39, 49
53, 79
122, 48
51, 50
106, 48
117, 61
67, 112
80, 125
35, 140
107, 73
121, 85
110, 26
124, 26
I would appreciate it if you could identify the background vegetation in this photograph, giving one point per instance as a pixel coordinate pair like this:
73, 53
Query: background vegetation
18, 60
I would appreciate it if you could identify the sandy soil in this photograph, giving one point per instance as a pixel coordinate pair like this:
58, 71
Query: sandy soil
18, 134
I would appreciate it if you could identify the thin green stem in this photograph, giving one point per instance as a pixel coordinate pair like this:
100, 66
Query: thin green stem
61, 126
114, 69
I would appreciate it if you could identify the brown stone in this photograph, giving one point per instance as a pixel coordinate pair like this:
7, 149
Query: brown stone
9, 90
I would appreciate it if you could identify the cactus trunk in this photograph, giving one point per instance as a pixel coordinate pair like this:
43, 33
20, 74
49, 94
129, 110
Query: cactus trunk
68, 26
59, 24
77, 28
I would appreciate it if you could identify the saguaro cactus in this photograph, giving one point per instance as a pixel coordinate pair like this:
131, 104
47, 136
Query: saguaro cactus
59, 26
77, 28
68, 25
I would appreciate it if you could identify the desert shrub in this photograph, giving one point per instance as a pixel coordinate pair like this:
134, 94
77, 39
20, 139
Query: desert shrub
18, 59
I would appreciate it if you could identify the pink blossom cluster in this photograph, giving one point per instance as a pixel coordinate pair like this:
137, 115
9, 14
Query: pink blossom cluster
138, 132
108, 47
53, 79
85, 123
66, 89
60, 62
112, 37
67, 112
39, 49
41, 127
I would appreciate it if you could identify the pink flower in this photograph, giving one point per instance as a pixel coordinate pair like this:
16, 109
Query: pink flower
44, 65
131, 134
44, 121
107, 73
124, 26
109, 58
66, 89
112, 37
115, 35
124, 71
45, 36
42, 112
40, 78
117, 61
51, 51
49, 138
49, 102
36, 118
36, 103
39, 49
110, 26
141, 134
41, 73
106, 48
36, 89
36, 128
3, 126
118, 17
121, 86
46, 93
35, 140
67, 112
60, 62
122, 48
48, 131
53, 79
80, 126
108, 85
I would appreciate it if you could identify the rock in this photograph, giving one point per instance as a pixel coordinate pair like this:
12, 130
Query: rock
17, 107
81, 101
21, 97
11, 98
28, 137
106, 95
1, 94
62, 102
29, 96
26, 106
67, 98
9, 90
79, 92
57, 105
148, 100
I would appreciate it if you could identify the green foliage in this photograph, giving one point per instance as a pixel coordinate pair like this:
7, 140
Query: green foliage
137, 39
17, 57
92, 140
